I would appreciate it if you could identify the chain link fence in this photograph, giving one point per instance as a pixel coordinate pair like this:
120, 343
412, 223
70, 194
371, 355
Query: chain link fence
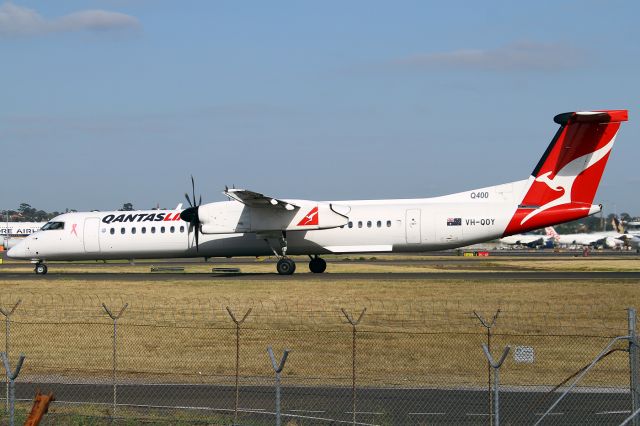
372, 362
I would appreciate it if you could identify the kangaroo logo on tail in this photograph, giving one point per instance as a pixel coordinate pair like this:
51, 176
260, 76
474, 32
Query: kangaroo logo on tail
564, 182
565, 178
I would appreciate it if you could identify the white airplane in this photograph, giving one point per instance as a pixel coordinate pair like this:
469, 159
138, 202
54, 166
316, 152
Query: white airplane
13, 232
610, 239
631, 230
561, 188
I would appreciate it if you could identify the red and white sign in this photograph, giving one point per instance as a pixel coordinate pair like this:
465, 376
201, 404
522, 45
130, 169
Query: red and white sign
310, 219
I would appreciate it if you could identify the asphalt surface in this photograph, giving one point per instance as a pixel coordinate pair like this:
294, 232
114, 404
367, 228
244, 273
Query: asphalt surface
332, 405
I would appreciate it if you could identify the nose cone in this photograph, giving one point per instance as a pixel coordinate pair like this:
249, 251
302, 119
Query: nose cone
18, 252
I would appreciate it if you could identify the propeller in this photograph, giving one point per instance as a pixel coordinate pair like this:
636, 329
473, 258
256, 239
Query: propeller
190, 215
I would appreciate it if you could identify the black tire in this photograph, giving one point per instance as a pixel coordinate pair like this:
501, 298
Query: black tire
40, 269
317, 265
286, 267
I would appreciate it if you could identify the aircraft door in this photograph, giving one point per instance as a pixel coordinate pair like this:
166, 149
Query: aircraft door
413, 226
91, 235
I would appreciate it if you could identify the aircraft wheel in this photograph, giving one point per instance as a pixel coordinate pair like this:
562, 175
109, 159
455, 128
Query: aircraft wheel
317, 265
40, 269
286, 266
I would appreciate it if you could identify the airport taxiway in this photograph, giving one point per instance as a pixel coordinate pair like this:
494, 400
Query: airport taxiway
332, 405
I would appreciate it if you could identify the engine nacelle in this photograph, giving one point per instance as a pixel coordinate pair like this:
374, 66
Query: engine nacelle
232, 217
612, 242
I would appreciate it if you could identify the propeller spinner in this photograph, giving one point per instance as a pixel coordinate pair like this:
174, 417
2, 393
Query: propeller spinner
190, 215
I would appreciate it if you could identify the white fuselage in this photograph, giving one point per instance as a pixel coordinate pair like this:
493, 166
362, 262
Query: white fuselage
403, 225
609, 239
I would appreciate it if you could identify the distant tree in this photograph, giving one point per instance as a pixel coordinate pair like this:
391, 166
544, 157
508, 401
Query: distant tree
24, 207
127, 207
26, 211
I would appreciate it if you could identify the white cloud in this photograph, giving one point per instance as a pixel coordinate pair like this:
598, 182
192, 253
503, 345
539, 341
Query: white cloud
522, 56
21, 21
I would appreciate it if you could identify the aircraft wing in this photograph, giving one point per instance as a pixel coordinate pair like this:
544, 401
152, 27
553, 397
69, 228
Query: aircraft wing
255, 199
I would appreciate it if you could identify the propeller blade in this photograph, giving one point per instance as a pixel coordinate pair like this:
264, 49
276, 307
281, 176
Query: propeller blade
193, 188
188, 200
200, 201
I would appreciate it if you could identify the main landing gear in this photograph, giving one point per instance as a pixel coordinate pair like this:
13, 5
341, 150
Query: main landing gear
317, 265
285, 265
40, 269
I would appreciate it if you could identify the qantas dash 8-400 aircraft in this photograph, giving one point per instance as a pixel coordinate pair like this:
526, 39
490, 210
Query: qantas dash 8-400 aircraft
561, 188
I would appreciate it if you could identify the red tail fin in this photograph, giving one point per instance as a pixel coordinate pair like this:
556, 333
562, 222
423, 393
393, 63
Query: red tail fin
564, 183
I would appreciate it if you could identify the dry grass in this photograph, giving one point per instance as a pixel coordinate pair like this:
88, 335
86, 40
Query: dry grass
415, 332
360, 264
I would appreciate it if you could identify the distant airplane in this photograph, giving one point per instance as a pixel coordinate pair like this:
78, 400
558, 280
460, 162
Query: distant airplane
528, 240
12, 232
560, 189
609, 239
632, 230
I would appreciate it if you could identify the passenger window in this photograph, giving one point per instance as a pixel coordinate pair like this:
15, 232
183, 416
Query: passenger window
162, 229
379, 224
112, 231
359, 224
368, 224
350, 225
153, 229
122, 231
144, 230
172, 229
181, 229
388, 224
133, 230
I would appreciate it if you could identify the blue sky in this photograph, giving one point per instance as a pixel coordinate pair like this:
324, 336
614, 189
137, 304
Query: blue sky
113, 101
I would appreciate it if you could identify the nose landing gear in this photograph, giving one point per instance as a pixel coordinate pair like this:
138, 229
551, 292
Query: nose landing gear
40, 269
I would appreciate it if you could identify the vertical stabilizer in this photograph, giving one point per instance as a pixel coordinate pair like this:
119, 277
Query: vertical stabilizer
565, 180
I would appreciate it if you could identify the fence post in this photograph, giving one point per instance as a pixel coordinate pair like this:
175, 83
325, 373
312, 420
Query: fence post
496, 378
115, 348
633, 365
12, 384
7, 339
277, 368
488, 326
353, 357
238, 324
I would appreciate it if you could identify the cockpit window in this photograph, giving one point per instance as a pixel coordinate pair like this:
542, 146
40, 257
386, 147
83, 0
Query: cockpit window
50, 226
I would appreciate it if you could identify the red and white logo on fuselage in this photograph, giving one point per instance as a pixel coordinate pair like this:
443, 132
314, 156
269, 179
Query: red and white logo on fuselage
310, 219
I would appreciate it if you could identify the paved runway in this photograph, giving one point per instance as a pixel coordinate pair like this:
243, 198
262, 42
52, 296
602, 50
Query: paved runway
366, 276
332, 405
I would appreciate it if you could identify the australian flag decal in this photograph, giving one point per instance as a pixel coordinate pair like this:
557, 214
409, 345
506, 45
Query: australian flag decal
454, 221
